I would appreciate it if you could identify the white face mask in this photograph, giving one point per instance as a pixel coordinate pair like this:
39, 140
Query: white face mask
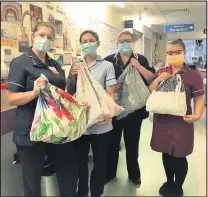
43, 45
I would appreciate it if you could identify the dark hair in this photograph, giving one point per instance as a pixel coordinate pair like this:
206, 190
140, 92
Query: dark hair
43, 24
179, 42
125, 33
90, 32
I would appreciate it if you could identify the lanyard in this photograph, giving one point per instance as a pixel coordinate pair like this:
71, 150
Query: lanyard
121, 67
116, 63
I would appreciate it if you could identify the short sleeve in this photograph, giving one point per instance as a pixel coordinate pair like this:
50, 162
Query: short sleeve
109, 58
146, 63
110, 76
143, 61
197, 86
16, 78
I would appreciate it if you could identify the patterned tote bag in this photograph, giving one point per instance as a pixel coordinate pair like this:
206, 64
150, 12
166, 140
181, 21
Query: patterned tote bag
169, 97
101, 104
59, 118
133, 93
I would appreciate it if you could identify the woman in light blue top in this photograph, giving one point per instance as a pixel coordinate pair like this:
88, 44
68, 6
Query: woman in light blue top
97, 135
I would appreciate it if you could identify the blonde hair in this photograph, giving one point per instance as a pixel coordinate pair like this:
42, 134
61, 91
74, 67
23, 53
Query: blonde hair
44, 24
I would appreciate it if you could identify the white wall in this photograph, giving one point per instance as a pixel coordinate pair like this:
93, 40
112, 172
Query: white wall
148, 49
186, 36
137, 25
138, 46
154, 39
80, 12
161, 48
114, 18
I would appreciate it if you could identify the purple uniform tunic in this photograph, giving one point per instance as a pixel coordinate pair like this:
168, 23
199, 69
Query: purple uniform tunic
171, 134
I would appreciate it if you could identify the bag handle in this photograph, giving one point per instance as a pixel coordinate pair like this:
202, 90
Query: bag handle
44, 77
180, 84
179, 80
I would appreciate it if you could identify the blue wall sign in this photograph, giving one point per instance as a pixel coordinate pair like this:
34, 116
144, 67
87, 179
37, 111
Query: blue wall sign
128, 24
179, 28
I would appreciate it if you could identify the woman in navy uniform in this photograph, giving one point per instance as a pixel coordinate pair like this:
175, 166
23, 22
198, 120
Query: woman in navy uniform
24, 83
132, 123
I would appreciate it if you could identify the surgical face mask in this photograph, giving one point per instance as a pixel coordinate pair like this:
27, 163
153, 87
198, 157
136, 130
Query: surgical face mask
89, 48
176, 60
43, 45
125, 47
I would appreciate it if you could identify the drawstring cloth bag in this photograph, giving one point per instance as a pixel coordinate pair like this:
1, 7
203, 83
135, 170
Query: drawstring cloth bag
100, 103
133, 93
59, 118
169, 97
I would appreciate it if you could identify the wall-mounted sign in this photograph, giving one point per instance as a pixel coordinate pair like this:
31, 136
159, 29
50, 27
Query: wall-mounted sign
128, 24
179, 28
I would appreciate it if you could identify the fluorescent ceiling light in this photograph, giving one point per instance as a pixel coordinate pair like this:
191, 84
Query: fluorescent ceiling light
120, 4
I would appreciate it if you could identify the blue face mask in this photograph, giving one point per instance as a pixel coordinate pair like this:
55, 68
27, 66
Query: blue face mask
42, 45
89, 48
125, 47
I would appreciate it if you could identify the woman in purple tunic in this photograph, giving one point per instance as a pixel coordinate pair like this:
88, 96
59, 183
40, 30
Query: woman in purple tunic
174, 135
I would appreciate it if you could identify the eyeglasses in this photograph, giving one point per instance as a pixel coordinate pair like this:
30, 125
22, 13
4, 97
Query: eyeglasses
123, 41
179, 52
48, 37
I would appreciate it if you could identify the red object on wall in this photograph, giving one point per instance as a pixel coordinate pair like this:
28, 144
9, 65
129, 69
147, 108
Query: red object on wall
3, 86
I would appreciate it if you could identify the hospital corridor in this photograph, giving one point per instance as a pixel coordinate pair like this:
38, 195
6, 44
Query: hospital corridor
104, 98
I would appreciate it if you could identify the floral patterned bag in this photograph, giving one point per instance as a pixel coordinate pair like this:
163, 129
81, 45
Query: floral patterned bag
133, 93
59, 118
100, 102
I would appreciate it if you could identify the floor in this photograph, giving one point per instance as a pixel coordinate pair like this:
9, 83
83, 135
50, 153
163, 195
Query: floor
152, 169
201, 153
